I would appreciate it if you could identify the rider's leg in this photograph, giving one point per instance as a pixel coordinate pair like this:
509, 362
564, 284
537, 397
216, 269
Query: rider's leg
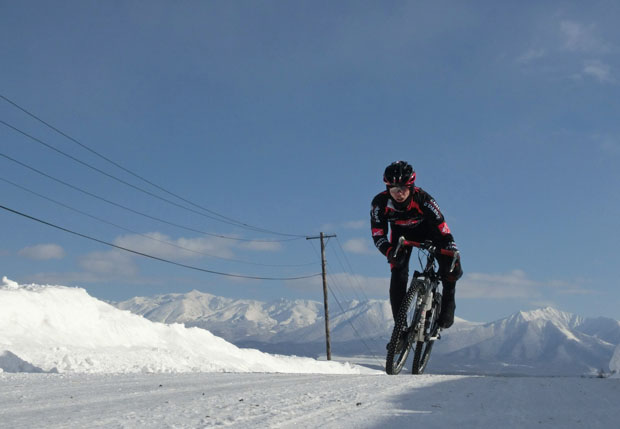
398, 288
448, 280
398, 282
448, 305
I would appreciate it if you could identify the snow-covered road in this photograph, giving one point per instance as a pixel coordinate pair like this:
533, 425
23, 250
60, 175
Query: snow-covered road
286, 400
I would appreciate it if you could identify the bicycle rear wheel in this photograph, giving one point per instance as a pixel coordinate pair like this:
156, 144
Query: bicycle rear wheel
423, 348
397, 356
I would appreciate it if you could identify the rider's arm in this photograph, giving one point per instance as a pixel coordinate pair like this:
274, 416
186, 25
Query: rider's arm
379, 224
432, 214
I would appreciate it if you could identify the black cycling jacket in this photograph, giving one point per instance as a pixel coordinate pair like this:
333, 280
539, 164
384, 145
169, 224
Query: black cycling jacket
417, 219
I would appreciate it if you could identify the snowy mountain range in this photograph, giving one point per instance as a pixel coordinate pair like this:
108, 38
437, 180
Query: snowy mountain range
539, 342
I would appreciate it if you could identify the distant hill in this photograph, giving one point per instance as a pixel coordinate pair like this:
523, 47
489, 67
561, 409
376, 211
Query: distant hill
539, 342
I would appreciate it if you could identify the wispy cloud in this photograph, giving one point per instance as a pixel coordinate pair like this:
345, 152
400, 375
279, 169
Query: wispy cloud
359, 246
114, 262
350, 285
482, 285
574, 50
598, 70
262, 246
356, 224
609, 145
530, 56
64, 279
515, 284
352, 224
163, 246
42, 252
581, 38
503, 286
369, 286
84, 277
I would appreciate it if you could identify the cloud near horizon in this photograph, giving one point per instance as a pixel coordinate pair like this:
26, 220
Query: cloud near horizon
42, 252
352, 286
359, 246
261, 246
504, 286
356, 224
113, 262
352, 224
163, 246
515, 284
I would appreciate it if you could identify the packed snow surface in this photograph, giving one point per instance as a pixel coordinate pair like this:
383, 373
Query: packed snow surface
206, 400
63, 329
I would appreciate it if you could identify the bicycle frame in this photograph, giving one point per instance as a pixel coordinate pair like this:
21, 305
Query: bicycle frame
423, 329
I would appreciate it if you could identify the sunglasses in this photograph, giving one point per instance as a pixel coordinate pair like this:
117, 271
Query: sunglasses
399, 188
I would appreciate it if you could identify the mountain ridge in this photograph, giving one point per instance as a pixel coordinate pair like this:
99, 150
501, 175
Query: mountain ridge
540, 341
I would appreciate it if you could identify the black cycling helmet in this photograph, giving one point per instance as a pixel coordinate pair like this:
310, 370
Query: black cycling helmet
399, 173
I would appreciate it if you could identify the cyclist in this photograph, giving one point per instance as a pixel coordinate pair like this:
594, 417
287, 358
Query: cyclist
413, 213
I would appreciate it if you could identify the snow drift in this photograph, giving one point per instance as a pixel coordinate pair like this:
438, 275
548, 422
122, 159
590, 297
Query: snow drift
63, 329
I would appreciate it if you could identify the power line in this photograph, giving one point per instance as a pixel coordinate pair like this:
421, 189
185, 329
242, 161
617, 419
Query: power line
348, 278
146, 235
71, 157
151, 256
355, 278
236, 222
336, 285
359, 286
354, 329
135, 211
343, 312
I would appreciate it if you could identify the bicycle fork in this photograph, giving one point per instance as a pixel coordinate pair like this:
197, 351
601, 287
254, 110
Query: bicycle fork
425, 303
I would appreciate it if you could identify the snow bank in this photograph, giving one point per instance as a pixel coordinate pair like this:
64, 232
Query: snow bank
58, 328
12, 363
614, 364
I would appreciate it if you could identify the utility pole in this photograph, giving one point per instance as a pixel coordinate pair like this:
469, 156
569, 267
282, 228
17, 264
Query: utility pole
327, 338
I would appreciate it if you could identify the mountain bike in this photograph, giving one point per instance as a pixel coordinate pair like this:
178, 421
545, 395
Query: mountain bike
416, 322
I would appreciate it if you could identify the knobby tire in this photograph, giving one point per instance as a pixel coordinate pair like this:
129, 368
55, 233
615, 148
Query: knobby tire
396, 358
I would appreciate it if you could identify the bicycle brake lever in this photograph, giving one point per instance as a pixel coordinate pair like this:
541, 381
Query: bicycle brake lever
401, 240
454, 259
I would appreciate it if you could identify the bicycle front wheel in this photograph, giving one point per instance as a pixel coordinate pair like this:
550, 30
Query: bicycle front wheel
403, 335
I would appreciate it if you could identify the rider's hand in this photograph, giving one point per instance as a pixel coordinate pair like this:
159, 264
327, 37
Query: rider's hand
396, 259
451, 246
452, 270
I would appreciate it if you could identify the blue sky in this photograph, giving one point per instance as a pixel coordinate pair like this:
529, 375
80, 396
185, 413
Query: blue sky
283, 115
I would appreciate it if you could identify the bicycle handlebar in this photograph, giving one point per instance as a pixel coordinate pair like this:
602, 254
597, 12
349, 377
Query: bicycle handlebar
454, 254
427, 246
